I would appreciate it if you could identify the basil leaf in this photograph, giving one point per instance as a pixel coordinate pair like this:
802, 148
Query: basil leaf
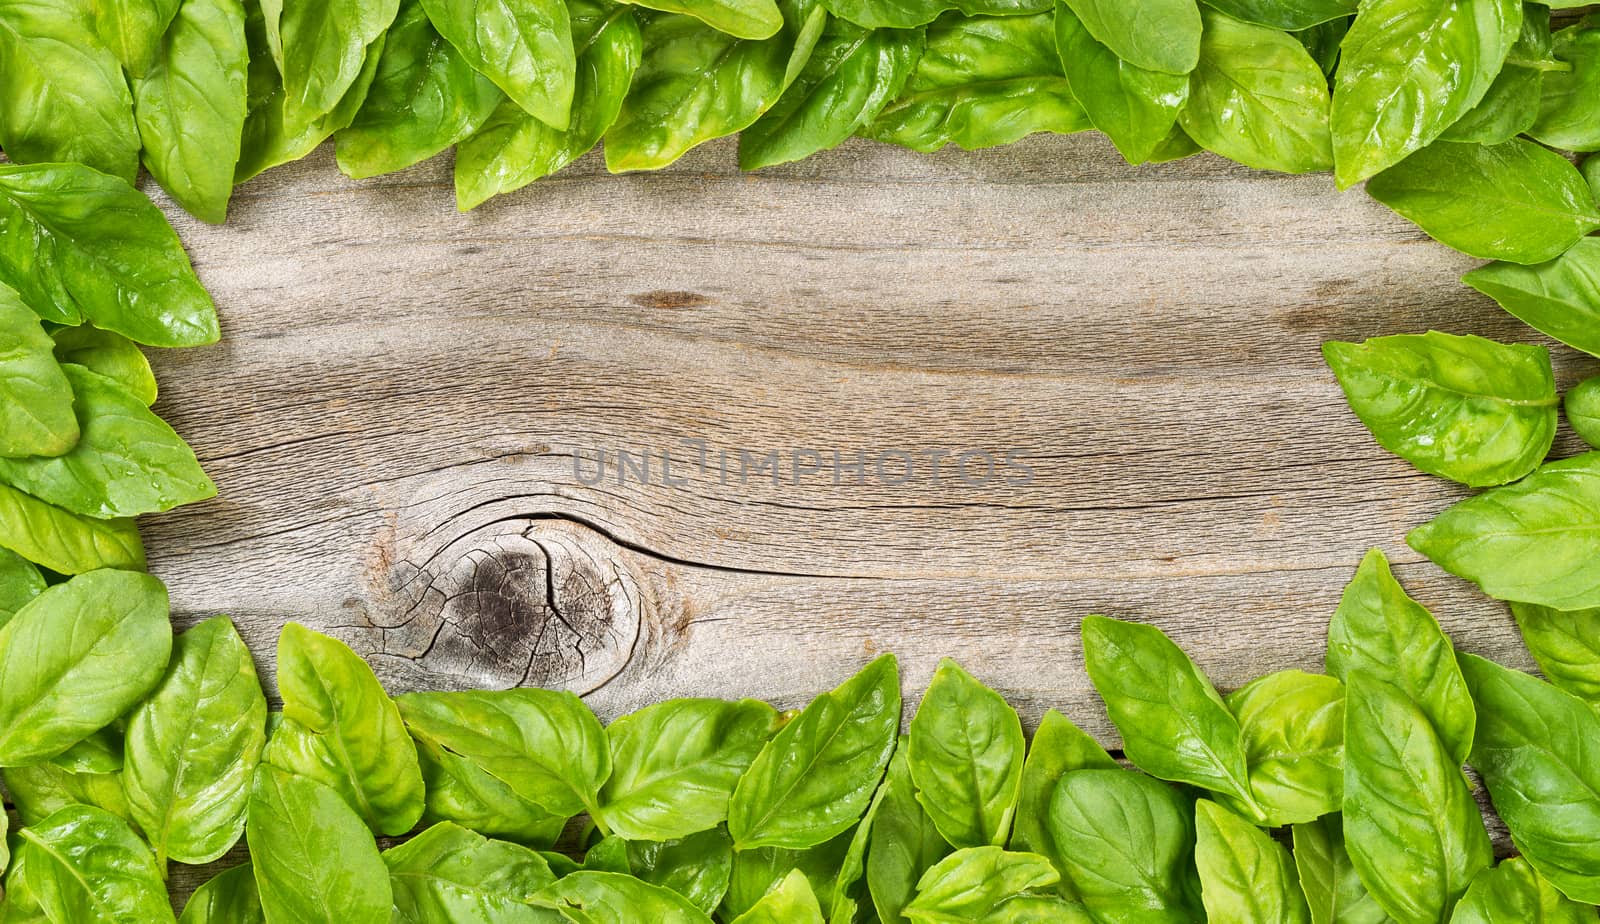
1535, 541
194, 744
1286, 15
79, 244
460, 791
1590, 168
1134, 107
1409, 70
320, 47
448, 874
546, 746
1129, 846
1245, 875
982, 81
790, 902
1174, 724
613, 898
62, 541
1410, 824
974, 883
903, 842
1058, 747
759, 870
1157, 35
909, 14
1323, 43
848, 79
966, 754
1560, 298
36, 417
1566, 645
1329, 880
525, 48
341, 729
1465, 408
675, 764
1512, 103
101, 752
20, 582
815, 778
315, 862
229, 897
132, 29
609, 855
85, 865
127, 461
747, 19
1514, 892
65, 101
1583, 410
111, 355
1541, 204
424, 97
41, 790
1257, 97
1292, 725
697, 867
1535, 750
107, 632
1569, 112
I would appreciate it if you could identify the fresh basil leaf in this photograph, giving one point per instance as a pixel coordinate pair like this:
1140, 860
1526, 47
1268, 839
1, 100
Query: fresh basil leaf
65, 100
320, 47
194, 744
975, 883
1286, 15
1058, 747
1174, 724
1258, 97
460, 791
1569, 111
966, 754
612, 898
903, 842
1514, 892
36, 416
1583, 410
101, 752
20, 582
847, 894
65, 542
1590, 168
41, 790
127, 461
1157, 35
982, 81
609, 855
1329, 880
1129, 846
816, 777
909, 14
525, 48
86, 866
1323, 43
1536, 753
1292, 724
79, 244
759, 870
424, 97
1245, 875
697, 867
315, 861
790, 902
674, 765
449, 875
747, 19
1410, 69
105, 632
1512, 103
1465, 408
1535, 541
341, 729
1136, 108
1541, 204
111, 355
132, 29
1560, 298
1411, 826
1566, 645
229, 897
851, 75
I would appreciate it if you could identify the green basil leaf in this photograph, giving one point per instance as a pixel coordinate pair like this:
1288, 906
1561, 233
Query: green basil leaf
1157, 35
1512, 103
229, 897
974, 883
460, 791
1323, 43
1409, 70
1465, 408
194, 744
424, 97
41, 790
697, 867
747, 19
85, 865
1566, 644
543, 744
613, 898
816, 777
1258, 97
966, 754
909, 14
982, 81
1569, 112
79, 244
320, 47
191, 106
20, 582
759, 870
851, 75
36, 417
1583, 410
1329, 880
65, 542
111, 355
127, 461
1134, 107
1129, 846
790, 902
525, 48
1514, 892
674, 765
1410, 823
1058, 747
903, 842
1292, 724
1174, 724
341, 729
315, 861
1560, 298
847, 885
609, 855
1541, 204
101, 752
1245, 875
1536, 752
1535, 541
449, 875
1286, 15
107, 632
65, 100
132, 29
1590, 168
